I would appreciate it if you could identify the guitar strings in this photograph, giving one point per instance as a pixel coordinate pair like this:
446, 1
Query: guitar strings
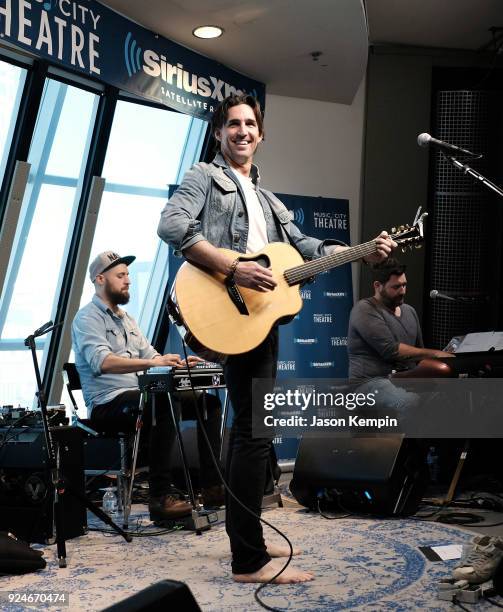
295, 275
298, 273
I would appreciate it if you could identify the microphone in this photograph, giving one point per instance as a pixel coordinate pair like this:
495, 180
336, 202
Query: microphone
46, 327
434, 294
424, 140
43, 329
453, 297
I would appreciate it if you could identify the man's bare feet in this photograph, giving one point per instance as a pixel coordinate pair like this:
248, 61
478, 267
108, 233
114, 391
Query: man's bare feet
281, 550
265, 573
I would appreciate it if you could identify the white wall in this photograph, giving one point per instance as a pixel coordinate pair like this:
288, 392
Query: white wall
315, 149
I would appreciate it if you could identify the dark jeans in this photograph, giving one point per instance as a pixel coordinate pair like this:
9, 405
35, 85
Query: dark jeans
120, 415
247, 457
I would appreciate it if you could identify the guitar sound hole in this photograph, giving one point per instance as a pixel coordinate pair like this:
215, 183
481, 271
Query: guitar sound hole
263, 261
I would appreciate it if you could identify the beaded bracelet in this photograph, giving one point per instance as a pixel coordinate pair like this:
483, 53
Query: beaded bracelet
232, 271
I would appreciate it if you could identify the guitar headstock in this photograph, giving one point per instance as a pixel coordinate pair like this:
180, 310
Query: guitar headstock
408, 237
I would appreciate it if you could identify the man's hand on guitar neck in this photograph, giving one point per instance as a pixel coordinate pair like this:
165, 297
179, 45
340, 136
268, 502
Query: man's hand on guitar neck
384, 246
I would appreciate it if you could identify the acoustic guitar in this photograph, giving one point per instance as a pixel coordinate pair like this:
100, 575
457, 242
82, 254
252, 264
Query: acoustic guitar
217, 319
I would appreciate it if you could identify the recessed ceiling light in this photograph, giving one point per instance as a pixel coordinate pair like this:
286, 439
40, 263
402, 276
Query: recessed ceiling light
207, 31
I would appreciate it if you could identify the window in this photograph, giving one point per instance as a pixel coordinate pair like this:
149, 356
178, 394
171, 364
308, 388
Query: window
11, 87
149, 148
58, 154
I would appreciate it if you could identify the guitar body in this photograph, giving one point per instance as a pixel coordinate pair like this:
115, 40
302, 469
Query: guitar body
214, 320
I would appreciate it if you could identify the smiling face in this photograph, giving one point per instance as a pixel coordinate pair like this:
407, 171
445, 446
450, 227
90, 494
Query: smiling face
239, 137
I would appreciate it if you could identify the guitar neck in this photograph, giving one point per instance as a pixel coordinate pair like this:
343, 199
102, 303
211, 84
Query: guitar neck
301, 273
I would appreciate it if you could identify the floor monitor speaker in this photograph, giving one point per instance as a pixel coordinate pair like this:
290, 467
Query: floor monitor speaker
161, 596
378, 475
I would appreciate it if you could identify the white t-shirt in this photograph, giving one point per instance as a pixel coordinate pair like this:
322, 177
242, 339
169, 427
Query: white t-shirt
257, 229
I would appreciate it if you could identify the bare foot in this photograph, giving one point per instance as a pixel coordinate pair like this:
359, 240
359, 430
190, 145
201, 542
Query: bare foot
265, 573
281, 550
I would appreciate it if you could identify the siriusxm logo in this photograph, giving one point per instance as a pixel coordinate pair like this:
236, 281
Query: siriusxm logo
286, 365
155, 65
322, 364
305, 340
334, 294
132, 55
322, 318
297, 215
339, 340
305, 294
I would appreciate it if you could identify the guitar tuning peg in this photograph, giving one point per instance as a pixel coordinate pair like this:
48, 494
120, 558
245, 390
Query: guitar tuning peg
401, 228
393, 230
407, 226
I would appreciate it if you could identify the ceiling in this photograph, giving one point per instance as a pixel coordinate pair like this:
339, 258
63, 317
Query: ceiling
273, 40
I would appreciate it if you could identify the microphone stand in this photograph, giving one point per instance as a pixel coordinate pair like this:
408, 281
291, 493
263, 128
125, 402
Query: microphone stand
60, 485
466, 169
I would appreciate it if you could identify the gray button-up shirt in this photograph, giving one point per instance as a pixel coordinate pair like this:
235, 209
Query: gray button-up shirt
210, 205
97, 332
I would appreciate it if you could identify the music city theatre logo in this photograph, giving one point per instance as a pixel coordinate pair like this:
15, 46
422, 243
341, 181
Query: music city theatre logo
339, 340
64, 30
305, 294
288, 365
173, 74
330, 220
322, 318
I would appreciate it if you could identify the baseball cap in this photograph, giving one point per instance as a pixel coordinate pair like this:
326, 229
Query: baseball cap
106, 260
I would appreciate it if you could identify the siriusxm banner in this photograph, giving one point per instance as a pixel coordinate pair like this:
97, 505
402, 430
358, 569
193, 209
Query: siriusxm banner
85, 36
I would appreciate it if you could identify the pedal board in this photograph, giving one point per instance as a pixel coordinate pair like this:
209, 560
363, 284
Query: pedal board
198, 520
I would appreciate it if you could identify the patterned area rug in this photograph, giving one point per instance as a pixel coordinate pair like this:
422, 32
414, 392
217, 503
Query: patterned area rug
360, 564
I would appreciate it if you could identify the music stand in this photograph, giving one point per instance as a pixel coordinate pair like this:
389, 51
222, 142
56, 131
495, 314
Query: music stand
61, 486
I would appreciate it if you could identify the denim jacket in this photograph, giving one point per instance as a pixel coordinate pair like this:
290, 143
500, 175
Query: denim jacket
209, 205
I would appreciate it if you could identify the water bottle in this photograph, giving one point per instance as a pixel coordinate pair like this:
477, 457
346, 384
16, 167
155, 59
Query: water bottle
432, 462
109, 504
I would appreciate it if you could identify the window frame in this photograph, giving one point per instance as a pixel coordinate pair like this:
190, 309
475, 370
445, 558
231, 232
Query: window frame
31, 98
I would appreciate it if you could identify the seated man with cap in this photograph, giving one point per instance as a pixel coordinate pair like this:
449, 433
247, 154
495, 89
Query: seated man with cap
109, 352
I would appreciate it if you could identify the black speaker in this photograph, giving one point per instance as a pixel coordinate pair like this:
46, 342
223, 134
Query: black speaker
26, 492
382, 475
161, 596
498, 579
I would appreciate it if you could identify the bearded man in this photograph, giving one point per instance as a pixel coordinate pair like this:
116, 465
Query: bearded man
110, 350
